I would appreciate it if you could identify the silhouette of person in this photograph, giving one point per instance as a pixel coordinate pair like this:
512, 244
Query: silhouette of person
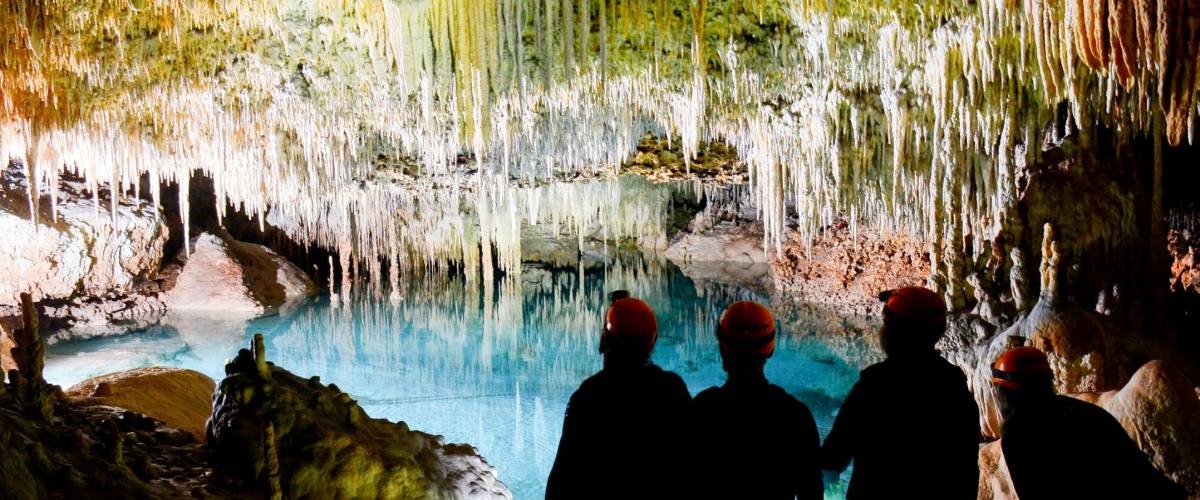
750, 438
622, 432
1061, 447
910, 423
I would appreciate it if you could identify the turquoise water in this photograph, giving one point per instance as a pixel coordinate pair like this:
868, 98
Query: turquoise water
476, 365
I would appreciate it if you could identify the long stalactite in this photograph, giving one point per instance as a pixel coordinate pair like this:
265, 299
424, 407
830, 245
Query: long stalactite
912, 116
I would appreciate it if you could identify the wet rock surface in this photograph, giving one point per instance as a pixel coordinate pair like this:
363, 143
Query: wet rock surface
300, 438
179, 398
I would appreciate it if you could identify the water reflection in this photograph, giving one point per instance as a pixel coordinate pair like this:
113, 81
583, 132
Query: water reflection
479, 365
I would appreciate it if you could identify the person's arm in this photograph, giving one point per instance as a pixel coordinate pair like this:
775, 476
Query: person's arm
563, 475
838, 447
810, 484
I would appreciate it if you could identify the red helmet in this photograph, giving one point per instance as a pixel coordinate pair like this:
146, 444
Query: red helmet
747, 328
1021, 366
914, 306
629, 325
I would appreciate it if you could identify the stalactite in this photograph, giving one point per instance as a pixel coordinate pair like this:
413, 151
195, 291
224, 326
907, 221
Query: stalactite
292, 107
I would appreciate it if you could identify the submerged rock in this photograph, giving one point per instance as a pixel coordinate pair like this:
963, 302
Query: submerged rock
303, 439
177, 397
227, 276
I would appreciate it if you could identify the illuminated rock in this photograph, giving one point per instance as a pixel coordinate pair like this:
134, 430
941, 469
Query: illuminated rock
176, 397
227, 276
325, 446
83, 250
1159, 409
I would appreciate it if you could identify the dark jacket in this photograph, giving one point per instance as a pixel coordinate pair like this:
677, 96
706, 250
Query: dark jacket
752, 440
1066, 448
621, 436
912, 428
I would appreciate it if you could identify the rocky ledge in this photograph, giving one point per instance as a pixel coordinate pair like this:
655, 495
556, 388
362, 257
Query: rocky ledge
298, 438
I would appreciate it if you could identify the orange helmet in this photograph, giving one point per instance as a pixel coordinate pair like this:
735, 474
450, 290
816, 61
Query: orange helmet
914, 306
1020, 367
747, 328
630, 325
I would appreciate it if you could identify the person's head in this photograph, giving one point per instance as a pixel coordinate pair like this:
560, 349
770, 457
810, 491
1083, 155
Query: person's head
914, 319
746, 333
1021, 376
629, 332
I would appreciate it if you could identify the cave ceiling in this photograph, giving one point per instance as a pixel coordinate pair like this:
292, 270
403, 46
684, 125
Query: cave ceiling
368, 126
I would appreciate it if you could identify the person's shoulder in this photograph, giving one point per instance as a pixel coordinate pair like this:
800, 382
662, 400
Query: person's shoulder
1082, 409
880, 370
666, 378
591, 384
786, 399
708, 396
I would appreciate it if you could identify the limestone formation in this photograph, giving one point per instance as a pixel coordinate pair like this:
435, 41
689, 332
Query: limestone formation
86, 250
226, 276
1160, 411
1077, 344
846, 267
176, 397
995, 483
325, 446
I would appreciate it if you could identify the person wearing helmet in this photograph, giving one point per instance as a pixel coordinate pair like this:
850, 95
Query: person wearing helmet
909, 424
750, 438
1061, 447
621, 436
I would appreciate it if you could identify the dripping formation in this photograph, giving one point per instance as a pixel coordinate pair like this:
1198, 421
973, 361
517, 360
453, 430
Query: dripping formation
351, 123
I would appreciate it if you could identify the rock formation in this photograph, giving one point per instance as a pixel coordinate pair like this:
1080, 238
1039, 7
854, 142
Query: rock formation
176, 397
226, 276
847, 267
299, 438
722, 243
82, 250
1160, 411
54, 448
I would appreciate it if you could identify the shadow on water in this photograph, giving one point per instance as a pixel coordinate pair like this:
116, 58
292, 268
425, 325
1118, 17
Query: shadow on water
483, 366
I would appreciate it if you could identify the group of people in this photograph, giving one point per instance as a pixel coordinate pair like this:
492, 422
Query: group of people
910, 424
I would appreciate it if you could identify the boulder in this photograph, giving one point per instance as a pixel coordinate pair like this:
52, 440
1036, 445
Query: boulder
727, 252
222, 275
325, 446
1160, 411
88, 250
177, 397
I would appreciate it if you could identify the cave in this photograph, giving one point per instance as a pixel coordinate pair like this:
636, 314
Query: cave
367, 248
